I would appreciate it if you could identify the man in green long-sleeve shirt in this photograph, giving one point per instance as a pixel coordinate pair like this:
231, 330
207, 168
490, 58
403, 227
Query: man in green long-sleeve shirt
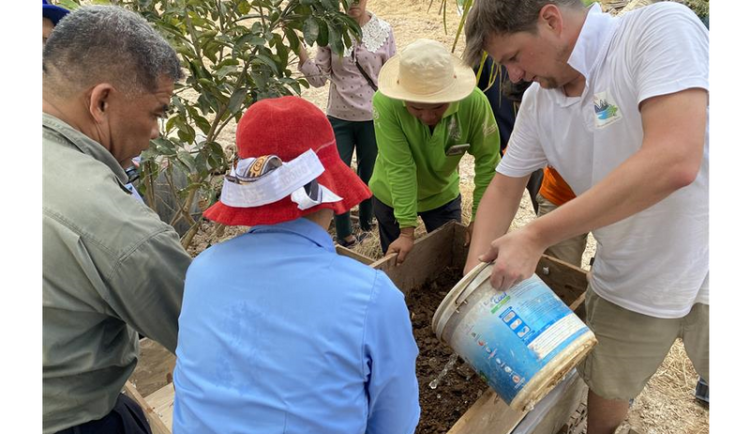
428, 113
111, 269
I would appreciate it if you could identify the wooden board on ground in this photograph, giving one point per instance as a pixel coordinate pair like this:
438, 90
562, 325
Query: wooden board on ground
157, 426
569, 282
489, 414
343, 251
162, 403
154, 363
431, 254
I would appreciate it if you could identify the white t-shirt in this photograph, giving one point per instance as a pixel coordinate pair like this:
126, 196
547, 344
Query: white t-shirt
656, 261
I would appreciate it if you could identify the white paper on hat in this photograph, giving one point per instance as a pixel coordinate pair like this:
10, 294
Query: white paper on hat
289, 179
304, 201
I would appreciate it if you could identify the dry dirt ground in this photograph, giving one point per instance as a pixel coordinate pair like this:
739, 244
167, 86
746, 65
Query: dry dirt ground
667, 405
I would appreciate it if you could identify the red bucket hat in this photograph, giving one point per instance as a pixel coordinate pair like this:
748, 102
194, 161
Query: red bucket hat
289, 167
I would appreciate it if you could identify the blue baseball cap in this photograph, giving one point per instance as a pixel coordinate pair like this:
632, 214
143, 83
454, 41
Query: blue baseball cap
54, 13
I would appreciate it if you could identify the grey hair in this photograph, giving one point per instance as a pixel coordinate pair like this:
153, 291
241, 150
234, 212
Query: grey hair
496, 17
97, 44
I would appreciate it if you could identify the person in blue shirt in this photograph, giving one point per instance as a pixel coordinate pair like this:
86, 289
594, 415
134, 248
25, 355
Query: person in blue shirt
278, 333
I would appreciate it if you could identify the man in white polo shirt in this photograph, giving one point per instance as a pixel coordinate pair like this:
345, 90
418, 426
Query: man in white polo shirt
620, 108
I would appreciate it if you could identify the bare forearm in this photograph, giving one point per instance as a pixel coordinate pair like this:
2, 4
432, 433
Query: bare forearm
637, 184
495, 214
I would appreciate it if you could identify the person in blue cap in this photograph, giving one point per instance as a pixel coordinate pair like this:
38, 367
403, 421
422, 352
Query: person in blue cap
51, 15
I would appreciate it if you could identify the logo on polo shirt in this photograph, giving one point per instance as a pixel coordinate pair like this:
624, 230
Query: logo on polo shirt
606, 111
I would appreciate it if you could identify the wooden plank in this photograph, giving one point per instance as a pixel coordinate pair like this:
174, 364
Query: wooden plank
431, 254
162, 401
157, 426
154, 363
564, 409
568, 282
488, 415
343, 251
459, 250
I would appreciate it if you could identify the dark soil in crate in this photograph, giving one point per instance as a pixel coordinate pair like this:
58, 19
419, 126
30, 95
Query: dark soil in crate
460, 387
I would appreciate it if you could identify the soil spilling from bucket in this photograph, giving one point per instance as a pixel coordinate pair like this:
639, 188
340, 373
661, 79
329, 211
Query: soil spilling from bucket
458, 386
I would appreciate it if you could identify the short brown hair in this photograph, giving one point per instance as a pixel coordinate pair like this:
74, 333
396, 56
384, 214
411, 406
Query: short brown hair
494, 17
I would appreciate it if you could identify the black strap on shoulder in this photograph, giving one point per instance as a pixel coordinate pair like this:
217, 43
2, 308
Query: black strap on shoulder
362, 70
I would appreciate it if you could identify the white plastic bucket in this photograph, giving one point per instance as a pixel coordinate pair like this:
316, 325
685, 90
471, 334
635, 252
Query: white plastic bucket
522, 342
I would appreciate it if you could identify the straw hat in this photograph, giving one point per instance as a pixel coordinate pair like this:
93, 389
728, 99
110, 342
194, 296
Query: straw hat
288, 167
426, 72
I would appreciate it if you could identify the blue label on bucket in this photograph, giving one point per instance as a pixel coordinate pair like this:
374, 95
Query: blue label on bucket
509, 336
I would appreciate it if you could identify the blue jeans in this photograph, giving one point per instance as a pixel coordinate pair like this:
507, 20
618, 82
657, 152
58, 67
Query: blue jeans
359, 136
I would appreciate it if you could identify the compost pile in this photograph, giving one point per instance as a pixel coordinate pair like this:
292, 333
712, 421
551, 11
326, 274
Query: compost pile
460, 387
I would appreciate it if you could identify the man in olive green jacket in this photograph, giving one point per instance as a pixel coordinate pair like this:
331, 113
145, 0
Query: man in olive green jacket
111, 268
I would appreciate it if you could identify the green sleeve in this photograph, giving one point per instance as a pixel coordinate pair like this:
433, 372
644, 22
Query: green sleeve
485, 147
147, 287
397, 160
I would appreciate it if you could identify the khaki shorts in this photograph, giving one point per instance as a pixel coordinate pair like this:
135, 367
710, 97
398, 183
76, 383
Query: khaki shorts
632, 346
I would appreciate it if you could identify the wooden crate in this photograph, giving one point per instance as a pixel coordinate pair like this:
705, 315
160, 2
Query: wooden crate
431, 254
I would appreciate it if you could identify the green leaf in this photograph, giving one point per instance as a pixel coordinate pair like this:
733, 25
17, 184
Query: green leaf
69, 4
334, 39
351, 25
250, 39
208, 103
170, 123
243, 7
242, 43
202, 123
201, 164
291, 36
216, 158
260, 79
148, 155
237, 101
347, 39
282, 52
264, 59
330, 5
322, 40
310, 30
186, 51
215, 148
185, 132
226, 69
210, 51
186, 158
164, 147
